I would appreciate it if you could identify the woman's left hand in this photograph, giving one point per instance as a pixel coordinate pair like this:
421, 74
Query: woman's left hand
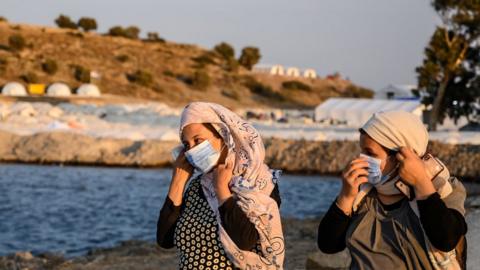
223, 175
413, 172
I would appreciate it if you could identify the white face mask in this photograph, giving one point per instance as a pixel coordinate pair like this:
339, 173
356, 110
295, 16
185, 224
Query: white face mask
384, 184
203, 156
374, 170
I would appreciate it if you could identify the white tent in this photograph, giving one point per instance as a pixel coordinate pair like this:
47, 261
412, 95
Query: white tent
89, 90
59, 90
14, 89
354, 112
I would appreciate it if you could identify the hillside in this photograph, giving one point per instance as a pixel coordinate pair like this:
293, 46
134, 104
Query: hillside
157, 70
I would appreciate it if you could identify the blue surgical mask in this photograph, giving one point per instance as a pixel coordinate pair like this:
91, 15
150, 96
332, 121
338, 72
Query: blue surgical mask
384, 183
374, 170
203, 156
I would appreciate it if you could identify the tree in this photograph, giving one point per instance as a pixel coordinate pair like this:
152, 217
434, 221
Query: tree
116, 31
81, 74
447, 79
87, 24
154, 37
50, 66
249, 57
64, 21
132, 32
225, 50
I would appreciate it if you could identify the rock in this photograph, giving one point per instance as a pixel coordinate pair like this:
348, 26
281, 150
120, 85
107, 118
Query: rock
26, 256
294, 156
322, 261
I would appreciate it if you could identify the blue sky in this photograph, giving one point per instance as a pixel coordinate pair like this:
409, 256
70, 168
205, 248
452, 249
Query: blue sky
373, 42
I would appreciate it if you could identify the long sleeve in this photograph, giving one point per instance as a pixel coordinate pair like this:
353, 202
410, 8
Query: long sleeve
443, 226
332, 230
166, 223
237, 224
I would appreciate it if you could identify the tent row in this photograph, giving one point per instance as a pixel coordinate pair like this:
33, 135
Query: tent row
354, 112
53, 90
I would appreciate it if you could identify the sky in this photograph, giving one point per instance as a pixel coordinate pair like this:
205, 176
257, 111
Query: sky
372, 42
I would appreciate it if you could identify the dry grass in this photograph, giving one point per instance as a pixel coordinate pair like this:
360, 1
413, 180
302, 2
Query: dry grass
172, 65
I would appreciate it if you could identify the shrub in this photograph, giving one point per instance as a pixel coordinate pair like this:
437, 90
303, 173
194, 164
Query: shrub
130, 32
64, 21
141, 77
30, 77
231, 93
76, 34
358, 92
232, 65
122, 58
225, 50
87, 24
50, 66
3, 65
249, 57
169, 73
204, 60
184, 78
201, 80
258, 88
154, 37
16, 42
3, 19
81, 74
297, 85
116, 31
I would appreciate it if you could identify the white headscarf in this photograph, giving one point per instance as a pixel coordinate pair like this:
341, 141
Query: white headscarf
395, 129
252, 183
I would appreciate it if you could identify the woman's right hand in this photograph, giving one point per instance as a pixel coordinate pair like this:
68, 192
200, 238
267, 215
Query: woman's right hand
354, 174
182, 171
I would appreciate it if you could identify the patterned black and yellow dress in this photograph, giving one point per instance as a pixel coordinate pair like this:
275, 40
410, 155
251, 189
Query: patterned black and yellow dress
193, 228
196, 235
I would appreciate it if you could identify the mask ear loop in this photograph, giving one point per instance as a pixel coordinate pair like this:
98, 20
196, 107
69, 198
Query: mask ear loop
391, 154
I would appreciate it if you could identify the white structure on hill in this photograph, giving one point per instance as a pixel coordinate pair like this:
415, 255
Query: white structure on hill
14, 89
354, 112
59, 90
399, 91
88, 90
283, 71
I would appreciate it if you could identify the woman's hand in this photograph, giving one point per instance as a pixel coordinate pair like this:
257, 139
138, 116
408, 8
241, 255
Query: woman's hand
182, 171
413, 172
353, 176
222, 176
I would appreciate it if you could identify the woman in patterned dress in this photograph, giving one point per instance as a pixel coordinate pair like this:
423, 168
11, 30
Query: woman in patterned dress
228, 216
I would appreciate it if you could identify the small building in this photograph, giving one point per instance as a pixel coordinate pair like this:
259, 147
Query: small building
59, 90
88, 90
310, 73
14, 89
398, 91
36, 89
285, 71
293, 72
354, 112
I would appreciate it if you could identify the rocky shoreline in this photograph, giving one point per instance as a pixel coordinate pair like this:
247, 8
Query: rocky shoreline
294, 156
300, 239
